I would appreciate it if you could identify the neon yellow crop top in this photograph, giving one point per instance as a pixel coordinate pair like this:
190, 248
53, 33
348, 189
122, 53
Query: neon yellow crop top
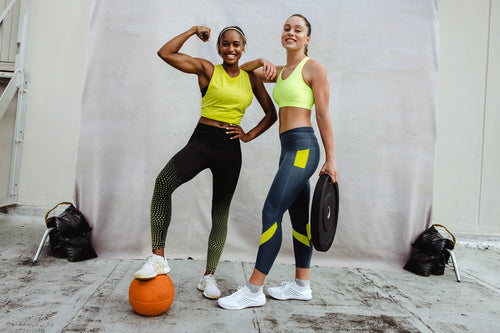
227, 97
293, 91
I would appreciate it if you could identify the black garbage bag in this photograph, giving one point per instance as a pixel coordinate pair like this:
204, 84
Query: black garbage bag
70, 237
78, 248
71, 223
57, 248
430, 254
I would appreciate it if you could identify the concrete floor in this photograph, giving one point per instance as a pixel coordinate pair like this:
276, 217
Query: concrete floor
92, 296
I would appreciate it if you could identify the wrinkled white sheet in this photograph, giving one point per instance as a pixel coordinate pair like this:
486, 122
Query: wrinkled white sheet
382, 61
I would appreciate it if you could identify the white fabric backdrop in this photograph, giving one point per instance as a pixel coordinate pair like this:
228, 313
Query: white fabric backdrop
382, 61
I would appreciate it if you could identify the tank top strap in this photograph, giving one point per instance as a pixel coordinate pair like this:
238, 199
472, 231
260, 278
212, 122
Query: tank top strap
301, 65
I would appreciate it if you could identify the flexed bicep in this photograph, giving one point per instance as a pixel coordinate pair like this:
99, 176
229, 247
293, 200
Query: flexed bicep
183, 62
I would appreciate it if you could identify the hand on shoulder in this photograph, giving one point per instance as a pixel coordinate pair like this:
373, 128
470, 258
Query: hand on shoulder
269, 69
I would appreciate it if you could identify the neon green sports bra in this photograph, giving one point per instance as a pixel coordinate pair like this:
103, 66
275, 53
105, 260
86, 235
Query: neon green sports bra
293, 91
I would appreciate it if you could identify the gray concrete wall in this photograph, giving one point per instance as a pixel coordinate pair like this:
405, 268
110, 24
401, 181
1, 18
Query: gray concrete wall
467, 174
55, 61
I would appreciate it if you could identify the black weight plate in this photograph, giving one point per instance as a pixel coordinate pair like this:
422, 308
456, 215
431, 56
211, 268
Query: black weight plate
324, 213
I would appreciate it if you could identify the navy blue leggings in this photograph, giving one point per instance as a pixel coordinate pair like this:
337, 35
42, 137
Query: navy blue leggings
290, 191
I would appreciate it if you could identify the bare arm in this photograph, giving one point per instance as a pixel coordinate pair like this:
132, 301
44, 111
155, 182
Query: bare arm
316, 75
267, 105
185, 63
264, 69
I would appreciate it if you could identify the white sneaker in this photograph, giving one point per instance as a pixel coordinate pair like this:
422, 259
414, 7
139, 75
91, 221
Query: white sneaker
290, 290
242, 298
154, 265
209, 287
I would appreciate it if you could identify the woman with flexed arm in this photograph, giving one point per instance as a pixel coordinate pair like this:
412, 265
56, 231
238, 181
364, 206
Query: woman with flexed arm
226, 93
301, 83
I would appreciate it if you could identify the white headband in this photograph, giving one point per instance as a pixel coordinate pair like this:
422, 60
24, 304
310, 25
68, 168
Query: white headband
235, 29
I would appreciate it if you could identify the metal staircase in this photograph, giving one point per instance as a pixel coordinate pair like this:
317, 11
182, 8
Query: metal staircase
12, 73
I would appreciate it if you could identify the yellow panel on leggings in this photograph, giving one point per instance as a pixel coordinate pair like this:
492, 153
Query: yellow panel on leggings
301, 158
268, 233
301, 238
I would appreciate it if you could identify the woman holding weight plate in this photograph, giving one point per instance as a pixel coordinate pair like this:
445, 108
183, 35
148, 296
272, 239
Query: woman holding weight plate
301, 83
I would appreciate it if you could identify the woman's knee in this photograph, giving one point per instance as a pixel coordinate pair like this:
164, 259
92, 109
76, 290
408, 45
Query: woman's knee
168, 178
269, 213
164, 184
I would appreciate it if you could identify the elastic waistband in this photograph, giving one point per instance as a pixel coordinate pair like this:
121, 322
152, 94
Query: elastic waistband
213, 135
297, 133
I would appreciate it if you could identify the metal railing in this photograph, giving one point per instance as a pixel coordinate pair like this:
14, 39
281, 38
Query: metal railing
17, 85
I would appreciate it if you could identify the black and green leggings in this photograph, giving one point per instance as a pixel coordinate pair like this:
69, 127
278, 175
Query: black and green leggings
209, 147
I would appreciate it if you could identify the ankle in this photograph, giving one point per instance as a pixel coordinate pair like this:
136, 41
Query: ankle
207, 272
159, 252
253, 288
302, 283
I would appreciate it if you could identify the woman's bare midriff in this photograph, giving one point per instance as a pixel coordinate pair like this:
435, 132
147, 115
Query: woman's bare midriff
214, 123
293, 117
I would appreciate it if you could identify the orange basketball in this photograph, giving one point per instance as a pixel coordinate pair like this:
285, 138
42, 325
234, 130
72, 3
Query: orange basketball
151, 297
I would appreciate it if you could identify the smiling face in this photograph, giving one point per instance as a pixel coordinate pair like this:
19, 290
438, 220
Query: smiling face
295, 35
231, 46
